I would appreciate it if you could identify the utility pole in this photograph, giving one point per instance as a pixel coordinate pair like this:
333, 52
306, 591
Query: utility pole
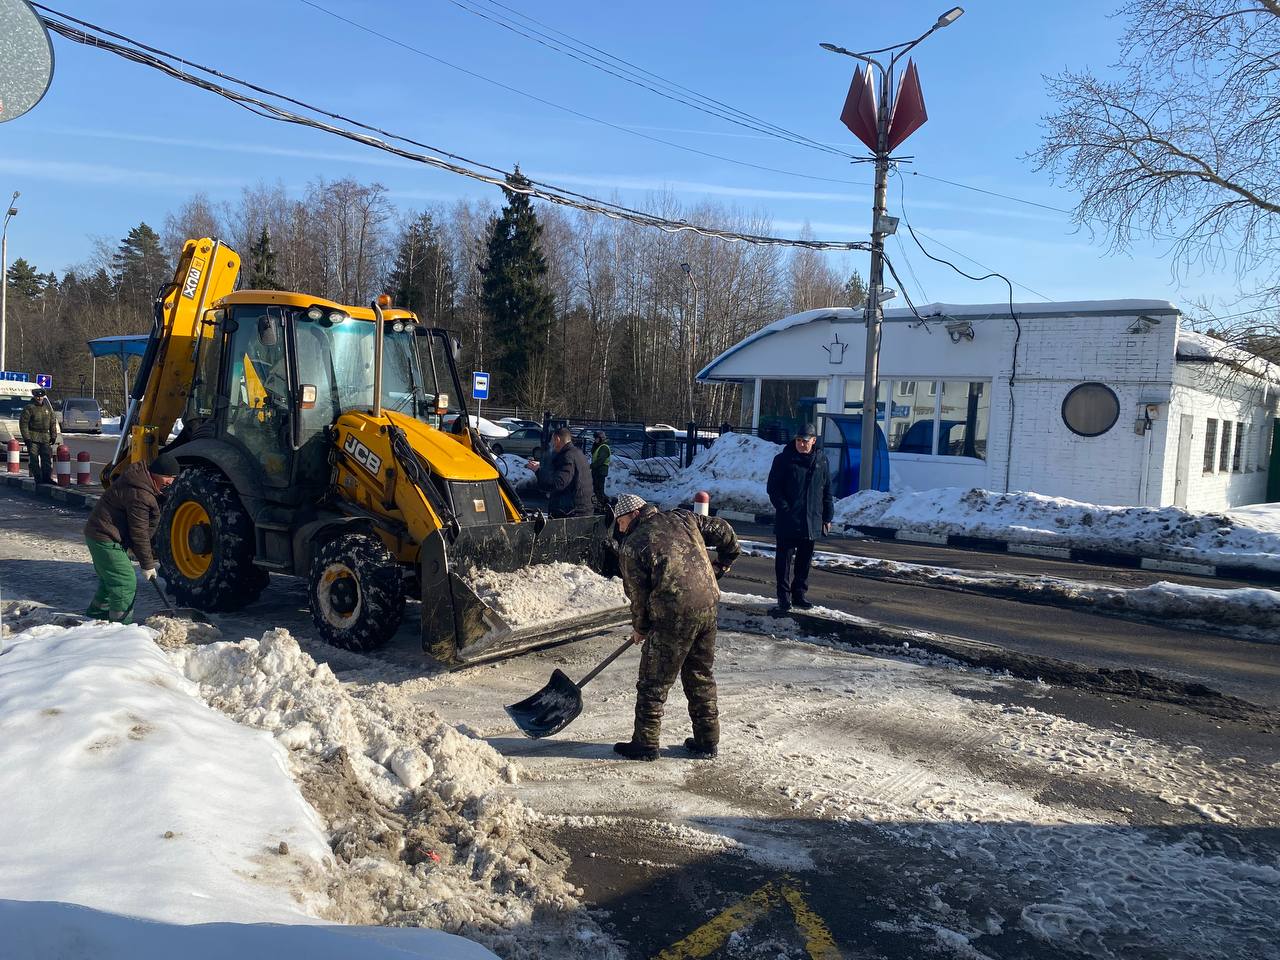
888, 133
693, 334
4, 274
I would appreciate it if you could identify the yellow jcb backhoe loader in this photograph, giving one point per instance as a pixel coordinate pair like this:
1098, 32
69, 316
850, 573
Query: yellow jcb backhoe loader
311, 445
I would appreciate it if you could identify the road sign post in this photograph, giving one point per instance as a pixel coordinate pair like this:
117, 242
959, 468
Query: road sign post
479, 391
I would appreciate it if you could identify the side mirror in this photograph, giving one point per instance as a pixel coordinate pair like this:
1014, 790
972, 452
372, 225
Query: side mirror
267, 332
456, 346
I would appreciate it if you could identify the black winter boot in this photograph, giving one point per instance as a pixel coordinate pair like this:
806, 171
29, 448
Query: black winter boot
784, 605
799, 602
635, 751
699, 750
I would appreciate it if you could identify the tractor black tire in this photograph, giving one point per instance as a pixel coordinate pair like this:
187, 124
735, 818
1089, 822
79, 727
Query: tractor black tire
356, 592
231, 581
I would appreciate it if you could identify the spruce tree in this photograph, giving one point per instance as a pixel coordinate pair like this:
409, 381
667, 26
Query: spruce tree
422, 279
855, 290
141, 267
25, 281
262, 258
516, 296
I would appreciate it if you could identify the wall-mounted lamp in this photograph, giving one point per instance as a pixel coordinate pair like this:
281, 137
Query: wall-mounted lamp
1143, 325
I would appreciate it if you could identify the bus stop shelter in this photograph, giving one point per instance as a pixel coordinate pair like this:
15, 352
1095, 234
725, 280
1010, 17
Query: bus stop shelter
122, 348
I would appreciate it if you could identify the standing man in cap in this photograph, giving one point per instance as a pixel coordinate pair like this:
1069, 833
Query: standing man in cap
670, 580
39, 428
125, 519
800, 491
601, 455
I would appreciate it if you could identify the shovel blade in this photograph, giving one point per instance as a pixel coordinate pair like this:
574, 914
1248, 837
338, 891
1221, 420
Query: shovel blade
549, 710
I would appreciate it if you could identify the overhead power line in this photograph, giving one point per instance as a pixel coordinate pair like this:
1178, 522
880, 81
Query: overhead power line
565, 109
637, 76
92, 35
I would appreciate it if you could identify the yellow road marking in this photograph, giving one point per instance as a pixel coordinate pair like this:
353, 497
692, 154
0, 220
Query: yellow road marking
819, 944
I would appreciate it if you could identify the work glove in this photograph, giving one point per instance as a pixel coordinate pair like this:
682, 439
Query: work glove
721, 569
149, 574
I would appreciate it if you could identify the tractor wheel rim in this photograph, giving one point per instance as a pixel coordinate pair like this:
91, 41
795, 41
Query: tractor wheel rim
339, 595
186, 529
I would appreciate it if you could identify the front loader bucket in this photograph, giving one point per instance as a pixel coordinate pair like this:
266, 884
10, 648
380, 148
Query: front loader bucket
458, 627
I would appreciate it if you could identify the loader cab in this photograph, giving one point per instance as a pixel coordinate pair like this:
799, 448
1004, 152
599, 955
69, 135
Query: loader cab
275, 370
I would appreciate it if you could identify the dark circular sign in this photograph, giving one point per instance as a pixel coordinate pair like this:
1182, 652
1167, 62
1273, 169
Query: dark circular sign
1090, 409
26, 59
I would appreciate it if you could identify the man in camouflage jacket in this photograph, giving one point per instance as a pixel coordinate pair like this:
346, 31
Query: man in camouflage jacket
670, 580
39, 428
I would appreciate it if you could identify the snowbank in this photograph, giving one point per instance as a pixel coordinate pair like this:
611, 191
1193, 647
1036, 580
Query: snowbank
517, 474
138, 823
1242, 537
734, 470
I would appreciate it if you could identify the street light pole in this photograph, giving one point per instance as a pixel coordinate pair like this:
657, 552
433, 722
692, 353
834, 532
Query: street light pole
693, 333
4, 274
873, 312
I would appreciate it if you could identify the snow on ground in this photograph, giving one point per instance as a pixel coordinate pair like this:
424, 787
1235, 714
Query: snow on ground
547, 592
733, 470
125, 794
930, 758
517, 474
1251, 613
1032, 518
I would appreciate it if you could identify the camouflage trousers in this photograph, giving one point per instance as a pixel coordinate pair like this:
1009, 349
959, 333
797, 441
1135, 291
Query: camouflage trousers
684, 648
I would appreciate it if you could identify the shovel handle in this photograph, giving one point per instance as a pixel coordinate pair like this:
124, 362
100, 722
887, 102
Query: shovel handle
605, 662
163, 599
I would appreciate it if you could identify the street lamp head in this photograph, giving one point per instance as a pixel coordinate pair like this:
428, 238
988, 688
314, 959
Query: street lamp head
948, 18
836, 48
686, 268
13, 211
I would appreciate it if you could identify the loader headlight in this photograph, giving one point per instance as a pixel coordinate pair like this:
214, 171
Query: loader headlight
336, 317
397, 327
315, 314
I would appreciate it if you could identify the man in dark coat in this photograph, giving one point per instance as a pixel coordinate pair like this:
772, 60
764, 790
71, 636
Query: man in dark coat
125, 519
670, 580
800, 491
39, 428
566, 476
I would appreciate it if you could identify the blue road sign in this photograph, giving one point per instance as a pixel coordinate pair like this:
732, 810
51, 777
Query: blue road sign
479, 386
44, 381
14, 375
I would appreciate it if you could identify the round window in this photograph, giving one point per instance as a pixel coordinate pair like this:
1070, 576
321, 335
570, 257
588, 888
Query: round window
1090, 409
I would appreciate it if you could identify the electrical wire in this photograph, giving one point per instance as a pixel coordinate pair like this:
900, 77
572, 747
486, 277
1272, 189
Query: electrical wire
710, 107
157, 59
569, 110
1017, 339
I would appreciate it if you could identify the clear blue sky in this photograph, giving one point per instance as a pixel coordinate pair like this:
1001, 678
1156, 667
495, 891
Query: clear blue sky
114, 143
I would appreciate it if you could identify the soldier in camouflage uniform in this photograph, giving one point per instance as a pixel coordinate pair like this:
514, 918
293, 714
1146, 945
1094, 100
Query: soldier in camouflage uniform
670, 579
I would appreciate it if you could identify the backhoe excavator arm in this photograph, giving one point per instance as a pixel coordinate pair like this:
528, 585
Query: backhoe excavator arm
207, 271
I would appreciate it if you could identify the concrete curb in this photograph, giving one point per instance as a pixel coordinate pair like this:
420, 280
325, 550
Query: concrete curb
1110, 558
66, 496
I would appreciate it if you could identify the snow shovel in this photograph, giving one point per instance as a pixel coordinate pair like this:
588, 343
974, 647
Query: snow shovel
180, 613
557, 704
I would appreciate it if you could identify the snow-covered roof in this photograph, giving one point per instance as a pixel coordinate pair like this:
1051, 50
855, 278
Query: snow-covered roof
1196, 347
971, 311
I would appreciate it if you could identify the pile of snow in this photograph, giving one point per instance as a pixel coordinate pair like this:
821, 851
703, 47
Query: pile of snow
126, 795
734, 470
547, 592
419, 823
1167, 532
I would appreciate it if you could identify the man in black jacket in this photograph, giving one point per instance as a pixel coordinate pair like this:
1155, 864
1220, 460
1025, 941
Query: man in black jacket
566, 476
800, 491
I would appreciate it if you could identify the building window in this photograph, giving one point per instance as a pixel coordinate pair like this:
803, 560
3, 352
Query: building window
1210, 444
748, 409
912, 424
786, 404
1242, 431
963, 415
1264, 443
1224, 458
1090, 409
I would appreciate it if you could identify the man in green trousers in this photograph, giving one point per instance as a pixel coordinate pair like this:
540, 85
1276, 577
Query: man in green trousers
125, 519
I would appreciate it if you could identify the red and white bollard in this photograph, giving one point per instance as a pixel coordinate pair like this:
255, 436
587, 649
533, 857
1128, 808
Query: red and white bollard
62, 468
702, 503
84, 468
14, 451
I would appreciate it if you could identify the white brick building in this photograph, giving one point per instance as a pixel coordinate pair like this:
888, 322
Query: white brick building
1107, 402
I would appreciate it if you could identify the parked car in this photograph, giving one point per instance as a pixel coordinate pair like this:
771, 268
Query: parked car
79, 415
493, 434
524, 442
516, 423
11, 407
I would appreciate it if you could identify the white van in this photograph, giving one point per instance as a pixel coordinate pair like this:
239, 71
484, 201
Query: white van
14, 396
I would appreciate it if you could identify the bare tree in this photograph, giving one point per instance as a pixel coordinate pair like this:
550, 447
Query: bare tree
1183, 141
